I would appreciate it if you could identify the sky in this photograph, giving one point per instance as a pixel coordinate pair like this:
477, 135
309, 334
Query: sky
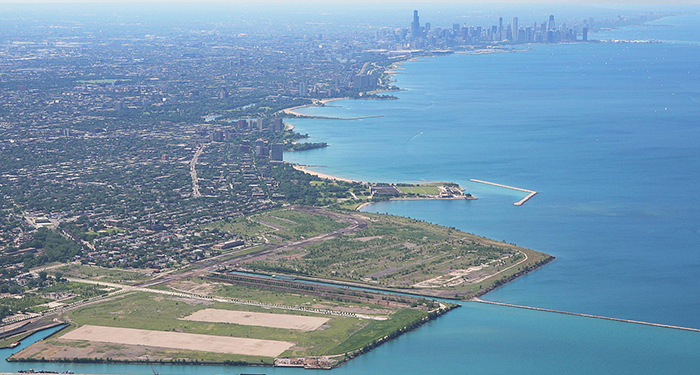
404, 2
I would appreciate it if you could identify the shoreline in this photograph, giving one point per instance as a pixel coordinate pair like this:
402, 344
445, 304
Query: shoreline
304, 168
354, 353
329, 361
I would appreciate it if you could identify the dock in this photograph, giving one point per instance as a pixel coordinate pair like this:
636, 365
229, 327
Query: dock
531, 193
586, 315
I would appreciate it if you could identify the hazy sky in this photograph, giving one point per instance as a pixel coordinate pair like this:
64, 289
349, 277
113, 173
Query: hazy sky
425, 3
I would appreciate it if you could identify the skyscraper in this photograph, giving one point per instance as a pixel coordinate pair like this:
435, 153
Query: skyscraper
515, 29
415, 25
500, 28
550, 26
585, 34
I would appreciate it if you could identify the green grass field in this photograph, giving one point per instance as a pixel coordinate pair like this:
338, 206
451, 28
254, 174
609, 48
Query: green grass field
163, 313
419, 190
284, 224
377, 330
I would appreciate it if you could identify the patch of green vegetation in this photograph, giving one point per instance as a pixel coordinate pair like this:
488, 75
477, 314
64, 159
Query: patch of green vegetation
164, 313
81, 290
378, 329
419, 190
299, 224
8, 341
144, 311
27, 303
56, 248
286, 224
304, 146
298, 188
399, 252
245, 229
104, 232
111, 275
282, 298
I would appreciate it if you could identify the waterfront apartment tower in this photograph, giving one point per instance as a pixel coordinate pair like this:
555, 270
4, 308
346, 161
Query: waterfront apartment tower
276, 152
261, 148
277, 125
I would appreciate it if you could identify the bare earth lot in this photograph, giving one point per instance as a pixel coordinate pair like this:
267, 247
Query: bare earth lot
304, 323
177, 340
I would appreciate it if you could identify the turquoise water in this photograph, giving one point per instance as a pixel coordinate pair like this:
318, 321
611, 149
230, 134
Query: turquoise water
607, 134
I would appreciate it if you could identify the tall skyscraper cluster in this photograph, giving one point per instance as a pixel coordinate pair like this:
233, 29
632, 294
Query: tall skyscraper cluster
514, 32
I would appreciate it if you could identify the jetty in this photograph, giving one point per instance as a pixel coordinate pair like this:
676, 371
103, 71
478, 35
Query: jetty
585, 315
531, 193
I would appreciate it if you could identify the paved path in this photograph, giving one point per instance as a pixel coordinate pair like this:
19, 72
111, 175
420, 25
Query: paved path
193, 171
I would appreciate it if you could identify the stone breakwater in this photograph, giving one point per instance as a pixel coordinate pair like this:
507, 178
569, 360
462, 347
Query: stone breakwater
531, 193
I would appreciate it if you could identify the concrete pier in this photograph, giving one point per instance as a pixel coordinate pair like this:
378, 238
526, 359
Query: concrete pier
586, 315
531, 194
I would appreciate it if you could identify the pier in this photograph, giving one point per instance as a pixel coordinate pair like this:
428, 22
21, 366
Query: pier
531, 193
586, 315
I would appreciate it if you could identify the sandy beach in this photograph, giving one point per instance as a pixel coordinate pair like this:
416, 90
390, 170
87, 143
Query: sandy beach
292, 111
325, 176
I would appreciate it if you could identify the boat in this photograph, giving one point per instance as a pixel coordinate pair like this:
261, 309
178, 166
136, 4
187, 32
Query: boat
14, 344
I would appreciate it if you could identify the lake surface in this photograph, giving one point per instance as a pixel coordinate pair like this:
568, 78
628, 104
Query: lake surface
607, 133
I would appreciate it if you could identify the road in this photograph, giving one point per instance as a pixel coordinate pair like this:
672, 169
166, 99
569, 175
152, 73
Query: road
193, 171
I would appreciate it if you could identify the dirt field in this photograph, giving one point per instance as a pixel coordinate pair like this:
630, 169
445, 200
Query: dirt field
304, 323
176, 340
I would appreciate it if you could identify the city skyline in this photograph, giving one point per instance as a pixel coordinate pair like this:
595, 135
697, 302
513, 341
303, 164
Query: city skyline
548, 31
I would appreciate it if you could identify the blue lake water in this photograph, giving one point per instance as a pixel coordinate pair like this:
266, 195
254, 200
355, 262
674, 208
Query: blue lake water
607, 133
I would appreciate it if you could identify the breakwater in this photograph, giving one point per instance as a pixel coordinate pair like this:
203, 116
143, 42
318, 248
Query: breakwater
586, 315
302, 115
531, 193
